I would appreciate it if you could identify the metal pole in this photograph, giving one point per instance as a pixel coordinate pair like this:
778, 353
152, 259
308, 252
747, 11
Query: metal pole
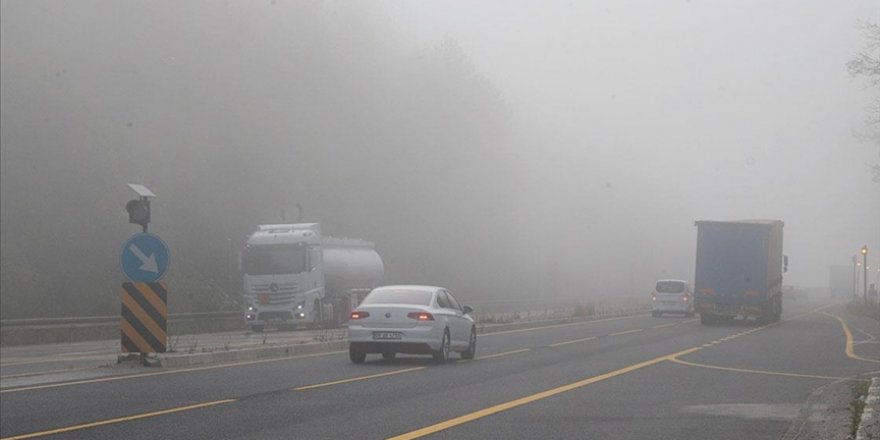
865, 274
855, 277
145, 225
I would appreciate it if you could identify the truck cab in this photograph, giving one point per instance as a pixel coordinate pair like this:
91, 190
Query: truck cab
283, 276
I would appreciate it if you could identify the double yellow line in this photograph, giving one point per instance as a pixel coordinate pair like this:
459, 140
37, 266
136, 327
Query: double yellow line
534, 397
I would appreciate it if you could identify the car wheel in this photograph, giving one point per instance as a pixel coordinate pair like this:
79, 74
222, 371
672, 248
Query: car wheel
442, 355
689, 314
472, 346
257, 328
389, 355
706, 319
356, 356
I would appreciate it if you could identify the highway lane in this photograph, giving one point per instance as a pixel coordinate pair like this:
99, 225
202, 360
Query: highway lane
260, 400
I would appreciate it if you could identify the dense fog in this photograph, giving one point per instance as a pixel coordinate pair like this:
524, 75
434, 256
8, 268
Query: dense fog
501, 149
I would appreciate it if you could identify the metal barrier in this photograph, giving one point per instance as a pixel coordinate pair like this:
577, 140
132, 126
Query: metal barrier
98, 320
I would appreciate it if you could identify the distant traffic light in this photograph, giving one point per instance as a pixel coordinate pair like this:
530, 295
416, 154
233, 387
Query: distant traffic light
138, 211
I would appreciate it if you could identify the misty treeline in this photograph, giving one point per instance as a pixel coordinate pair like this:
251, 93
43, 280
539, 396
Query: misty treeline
233, 114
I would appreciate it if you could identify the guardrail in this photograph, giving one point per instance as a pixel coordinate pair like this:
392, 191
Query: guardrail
482, 307
97, 320
491, 311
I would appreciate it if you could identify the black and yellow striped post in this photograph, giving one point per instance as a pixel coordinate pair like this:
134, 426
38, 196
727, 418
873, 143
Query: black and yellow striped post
144, 317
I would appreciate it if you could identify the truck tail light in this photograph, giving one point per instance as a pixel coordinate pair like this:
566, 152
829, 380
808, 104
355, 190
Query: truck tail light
358, 315
420, 316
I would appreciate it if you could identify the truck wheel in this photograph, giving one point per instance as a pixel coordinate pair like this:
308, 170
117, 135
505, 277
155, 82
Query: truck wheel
706, 319
317, 315
768, 312
356, 356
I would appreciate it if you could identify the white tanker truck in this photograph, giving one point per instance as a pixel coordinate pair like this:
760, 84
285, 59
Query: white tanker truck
295, 277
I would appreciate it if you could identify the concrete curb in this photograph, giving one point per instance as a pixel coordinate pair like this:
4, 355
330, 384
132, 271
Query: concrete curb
56, 334
869, 425
178, 360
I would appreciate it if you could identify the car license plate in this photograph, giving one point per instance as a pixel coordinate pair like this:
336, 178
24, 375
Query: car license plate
387, 335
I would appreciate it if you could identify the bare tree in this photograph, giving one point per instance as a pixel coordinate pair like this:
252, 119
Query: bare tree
867, 64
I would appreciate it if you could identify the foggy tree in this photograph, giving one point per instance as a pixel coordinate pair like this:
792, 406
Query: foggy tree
867, 64
231, 118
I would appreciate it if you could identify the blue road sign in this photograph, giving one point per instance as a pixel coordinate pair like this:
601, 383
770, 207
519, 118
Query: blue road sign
145, 258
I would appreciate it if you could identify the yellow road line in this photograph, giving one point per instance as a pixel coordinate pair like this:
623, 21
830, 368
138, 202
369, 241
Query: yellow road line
506, 353
569, 324
534, 397
626, 332
552, 392
572, 341
355, 379
118, 420
849, 350
161, 373
745, 370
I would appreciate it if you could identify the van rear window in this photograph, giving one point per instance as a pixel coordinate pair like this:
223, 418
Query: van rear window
670, 287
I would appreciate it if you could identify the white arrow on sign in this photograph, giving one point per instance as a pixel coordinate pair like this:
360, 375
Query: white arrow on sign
149, 263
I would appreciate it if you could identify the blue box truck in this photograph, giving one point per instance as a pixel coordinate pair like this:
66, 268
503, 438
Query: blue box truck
739, 270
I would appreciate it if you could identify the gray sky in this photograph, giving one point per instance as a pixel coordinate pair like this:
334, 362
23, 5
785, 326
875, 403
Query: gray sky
576, 161
684, 110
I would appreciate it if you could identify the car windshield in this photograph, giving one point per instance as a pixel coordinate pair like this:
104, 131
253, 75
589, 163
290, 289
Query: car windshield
670, 287
399, 296
274, 259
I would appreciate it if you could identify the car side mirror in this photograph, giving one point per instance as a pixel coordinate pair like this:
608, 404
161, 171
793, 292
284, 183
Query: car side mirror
467, 309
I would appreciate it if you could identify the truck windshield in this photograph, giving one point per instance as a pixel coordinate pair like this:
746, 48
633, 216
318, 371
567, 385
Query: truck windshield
670, 287
274, 259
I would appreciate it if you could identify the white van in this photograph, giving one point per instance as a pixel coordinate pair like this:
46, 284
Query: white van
672, 296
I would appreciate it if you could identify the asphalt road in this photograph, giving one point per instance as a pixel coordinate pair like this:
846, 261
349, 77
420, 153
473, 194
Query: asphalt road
634, 377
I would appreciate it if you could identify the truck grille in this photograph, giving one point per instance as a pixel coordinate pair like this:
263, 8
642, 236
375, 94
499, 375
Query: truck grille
278, 295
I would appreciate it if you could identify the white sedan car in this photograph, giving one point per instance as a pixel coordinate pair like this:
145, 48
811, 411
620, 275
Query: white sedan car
411, 319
